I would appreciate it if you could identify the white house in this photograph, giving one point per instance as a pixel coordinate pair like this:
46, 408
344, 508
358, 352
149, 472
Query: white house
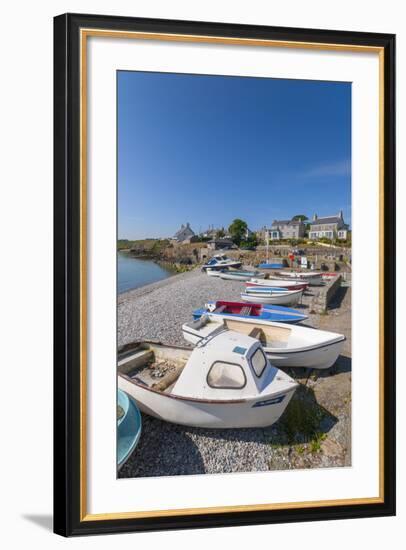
184, 234
332, 227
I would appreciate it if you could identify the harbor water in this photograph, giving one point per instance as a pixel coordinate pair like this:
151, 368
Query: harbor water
134, 273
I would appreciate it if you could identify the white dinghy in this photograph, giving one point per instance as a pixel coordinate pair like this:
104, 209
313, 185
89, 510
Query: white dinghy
285, 345
276, 297
215, 272
277, 282
239, 275
225, 382
314, 278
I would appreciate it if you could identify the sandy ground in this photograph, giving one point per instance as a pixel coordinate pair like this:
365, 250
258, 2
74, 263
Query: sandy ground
315, 430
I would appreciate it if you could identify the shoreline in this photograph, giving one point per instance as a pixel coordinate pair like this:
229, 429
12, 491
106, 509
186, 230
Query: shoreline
150, 287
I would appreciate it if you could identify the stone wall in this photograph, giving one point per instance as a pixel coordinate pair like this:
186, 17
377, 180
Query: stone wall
323, 296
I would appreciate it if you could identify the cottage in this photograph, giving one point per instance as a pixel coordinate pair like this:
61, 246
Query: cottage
332, 227
185, 234
286, 229
220, 244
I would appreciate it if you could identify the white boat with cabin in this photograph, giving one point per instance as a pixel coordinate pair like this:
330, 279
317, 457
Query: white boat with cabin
226, 381
220, 262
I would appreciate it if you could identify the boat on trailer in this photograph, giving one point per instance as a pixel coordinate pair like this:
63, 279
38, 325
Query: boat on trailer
240, 275
248, 312
285, 345
226, 381
220, 262
278, 297
288, 285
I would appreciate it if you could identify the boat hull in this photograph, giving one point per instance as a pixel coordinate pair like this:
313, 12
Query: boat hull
241, 276
263, 410
270, 314
278, 298
128, 428
288, 285
219, 266
214, 272
313, 279
320, 355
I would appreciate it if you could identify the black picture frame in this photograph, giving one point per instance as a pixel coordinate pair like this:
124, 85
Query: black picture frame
67, 358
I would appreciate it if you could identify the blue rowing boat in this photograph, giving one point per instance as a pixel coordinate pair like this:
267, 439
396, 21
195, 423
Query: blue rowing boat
244, 310
266, 265
265, 289
128, 427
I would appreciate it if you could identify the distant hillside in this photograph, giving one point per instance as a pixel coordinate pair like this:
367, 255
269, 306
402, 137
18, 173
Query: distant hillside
143, 247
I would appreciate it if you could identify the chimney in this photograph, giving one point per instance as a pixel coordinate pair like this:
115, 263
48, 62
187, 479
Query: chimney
340, 215
315, 217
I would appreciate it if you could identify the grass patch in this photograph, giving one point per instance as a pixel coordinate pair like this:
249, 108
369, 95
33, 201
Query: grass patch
315, 444
301, 421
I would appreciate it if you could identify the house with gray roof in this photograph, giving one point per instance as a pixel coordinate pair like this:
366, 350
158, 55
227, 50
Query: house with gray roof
332, 227
184, 234
286, 229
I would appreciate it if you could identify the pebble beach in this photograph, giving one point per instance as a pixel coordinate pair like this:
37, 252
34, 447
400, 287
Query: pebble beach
157, 311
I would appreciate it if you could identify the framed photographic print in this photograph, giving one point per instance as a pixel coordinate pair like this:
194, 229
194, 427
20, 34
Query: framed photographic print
224, 274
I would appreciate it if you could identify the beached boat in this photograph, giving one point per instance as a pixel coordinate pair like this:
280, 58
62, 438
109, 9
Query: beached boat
221, 261
285, 345
215, 272
288, 285
272, 265
226, 381
314, 278
267, 289
128, 427
248, 312
235, 275
288, 297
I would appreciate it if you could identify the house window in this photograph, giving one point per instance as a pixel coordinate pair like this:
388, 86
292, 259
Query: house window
226, 376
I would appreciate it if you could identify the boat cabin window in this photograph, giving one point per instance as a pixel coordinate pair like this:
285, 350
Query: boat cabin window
258, 362
226, 376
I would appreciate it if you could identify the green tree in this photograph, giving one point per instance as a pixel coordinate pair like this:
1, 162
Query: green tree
238, 230
300, 217
220, 233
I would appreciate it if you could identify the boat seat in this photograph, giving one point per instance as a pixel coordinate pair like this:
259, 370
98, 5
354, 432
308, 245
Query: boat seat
259, 334
246, 310
220, 309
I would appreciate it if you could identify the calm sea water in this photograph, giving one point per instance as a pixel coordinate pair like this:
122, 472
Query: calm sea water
133, 272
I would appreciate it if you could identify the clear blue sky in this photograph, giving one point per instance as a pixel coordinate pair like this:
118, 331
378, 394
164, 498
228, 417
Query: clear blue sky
208, 149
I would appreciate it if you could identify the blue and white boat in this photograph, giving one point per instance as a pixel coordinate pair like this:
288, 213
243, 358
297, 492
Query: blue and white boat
221, 261
272, 265
247, 312
128, 427
265, 289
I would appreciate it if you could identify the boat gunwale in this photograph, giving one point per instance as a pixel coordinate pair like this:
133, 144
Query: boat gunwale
285, 351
